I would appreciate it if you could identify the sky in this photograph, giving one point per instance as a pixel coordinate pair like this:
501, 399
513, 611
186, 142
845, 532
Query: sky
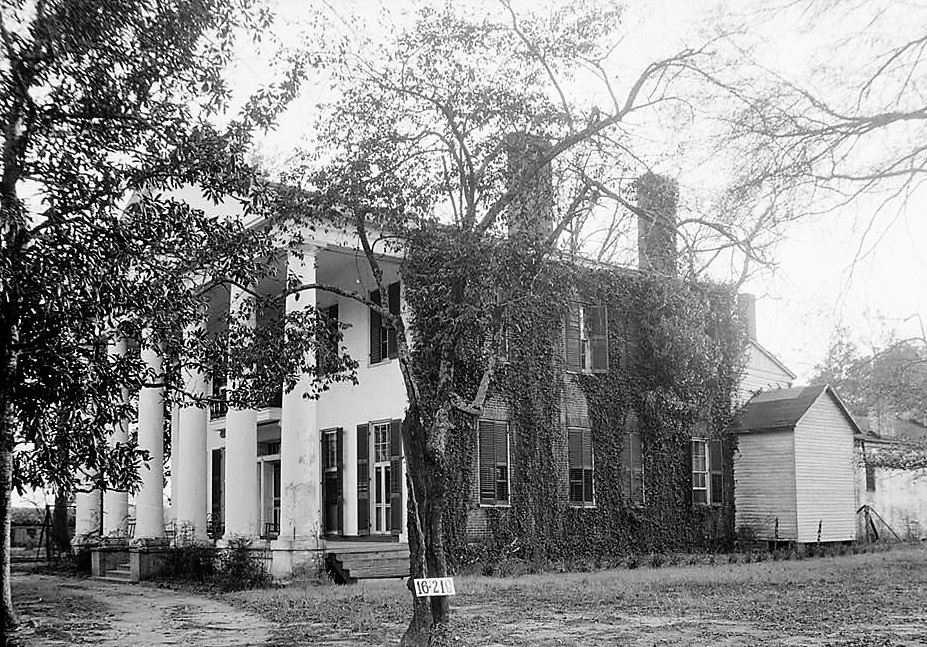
828, 272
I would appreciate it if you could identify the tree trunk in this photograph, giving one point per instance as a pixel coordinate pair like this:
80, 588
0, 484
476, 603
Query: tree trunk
6, 485
429, 624
61, 536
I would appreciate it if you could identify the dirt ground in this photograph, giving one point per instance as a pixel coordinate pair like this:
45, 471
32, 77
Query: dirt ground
877, 599
56, 611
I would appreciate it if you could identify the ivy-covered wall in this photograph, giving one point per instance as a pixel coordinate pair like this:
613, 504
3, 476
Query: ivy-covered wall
674, 360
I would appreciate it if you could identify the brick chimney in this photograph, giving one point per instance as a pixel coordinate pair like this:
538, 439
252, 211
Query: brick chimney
746, 310
657, 196
531, 213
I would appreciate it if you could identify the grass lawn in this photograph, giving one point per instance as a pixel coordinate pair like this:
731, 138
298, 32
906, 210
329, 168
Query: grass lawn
869, 600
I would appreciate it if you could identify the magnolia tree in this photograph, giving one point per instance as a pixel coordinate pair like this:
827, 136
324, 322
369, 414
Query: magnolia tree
107, 108
474, 146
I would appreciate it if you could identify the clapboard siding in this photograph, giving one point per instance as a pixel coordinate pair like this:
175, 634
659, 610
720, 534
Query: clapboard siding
760, 374
825, 473
764, 485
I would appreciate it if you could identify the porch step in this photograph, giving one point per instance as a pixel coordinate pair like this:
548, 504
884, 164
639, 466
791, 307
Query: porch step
393, 562
121, 573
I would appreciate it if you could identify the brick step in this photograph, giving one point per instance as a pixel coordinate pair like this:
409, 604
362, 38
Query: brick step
368, 567
357, 558
113, 580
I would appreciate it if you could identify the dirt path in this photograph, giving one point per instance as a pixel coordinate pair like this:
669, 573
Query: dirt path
58, 611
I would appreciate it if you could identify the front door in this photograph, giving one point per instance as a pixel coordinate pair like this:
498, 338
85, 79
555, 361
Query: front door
381, 479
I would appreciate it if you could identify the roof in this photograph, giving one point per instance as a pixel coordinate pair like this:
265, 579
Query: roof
775, 360
783, 408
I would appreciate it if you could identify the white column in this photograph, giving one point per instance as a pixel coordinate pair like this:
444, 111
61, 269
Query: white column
149, 504
242, 513
175, 457
300, 444
87, 515
116, 503
190, 477
349, 474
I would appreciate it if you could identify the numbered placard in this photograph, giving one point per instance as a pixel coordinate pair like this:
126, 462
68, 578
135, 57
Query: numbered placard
432, 586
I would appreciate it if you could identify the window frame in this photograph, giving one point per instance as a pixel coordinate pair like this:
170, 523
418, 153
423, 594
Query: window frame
633, 473
386, 335
712, 452
584, 335
496, 501
587, 471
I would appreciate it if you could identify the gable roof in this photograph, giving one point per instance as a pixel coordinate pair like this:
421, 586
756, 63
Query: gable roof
775, 360
783, 408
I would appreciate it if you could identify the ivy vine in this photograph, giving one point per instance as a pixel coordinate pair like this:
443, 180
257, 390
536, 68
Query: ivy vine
675, 357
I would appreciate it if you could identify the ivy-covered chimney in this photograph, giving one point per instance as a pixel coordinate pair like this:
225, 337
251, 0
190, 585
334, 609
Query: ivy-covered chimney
657, 196
746, 307
531, 213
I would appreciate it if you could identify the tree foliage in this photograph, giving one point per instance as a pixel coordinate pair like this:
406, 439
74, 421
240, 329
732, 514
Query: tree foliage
476, 126
107, 109
890, 379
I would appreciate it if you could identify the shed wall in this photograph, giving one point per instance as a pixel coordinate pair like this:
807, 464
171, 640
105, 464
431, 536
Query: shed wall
764, 485
825, 474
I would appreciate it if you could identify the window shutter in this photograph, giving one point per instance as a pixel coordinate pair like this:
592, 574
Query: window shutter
487, 459
573, 343
627, 474
363, 480
392, 347
503, 471
395, 476
575, 456
716, 471
636, 458
597, 316
376, 331
339, 436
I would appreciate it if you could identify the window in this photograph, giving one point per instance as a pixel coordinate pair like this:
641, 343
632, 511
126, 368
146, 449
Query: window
383, 344
330, 449
579, 448
494, 462
870, 478
707, 474
632, 473
586, 342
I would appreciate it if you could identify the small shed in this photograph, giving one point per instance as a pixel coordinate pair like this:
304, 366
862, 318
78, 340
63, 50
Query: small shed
794, 471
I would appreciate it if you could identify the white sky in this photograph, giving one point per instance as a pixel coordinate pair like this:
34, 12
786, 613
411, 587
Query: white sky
818, 282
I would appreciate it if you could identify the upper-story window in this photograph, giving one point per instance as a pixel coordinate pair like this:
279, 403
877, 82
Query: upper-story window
383, 343
586, 342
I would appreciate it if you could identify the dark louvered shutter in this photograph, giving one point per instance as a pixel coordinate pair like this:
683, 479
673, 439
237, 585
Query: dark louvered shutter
501, 433
376, 331
487, 462
598, 337
363, 480
392, 348
339, 436
715, 471
395, 476
626, 471
636, 468
573, 343
575, 452
587, 465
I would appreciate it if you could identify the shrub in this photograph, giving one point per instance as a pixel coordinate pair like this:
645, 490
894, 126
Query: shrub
240, 569
191, 562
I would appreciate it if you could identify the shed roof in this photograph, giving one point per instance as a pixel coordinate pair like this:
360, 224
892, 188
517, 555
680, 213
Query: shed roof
783, 408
